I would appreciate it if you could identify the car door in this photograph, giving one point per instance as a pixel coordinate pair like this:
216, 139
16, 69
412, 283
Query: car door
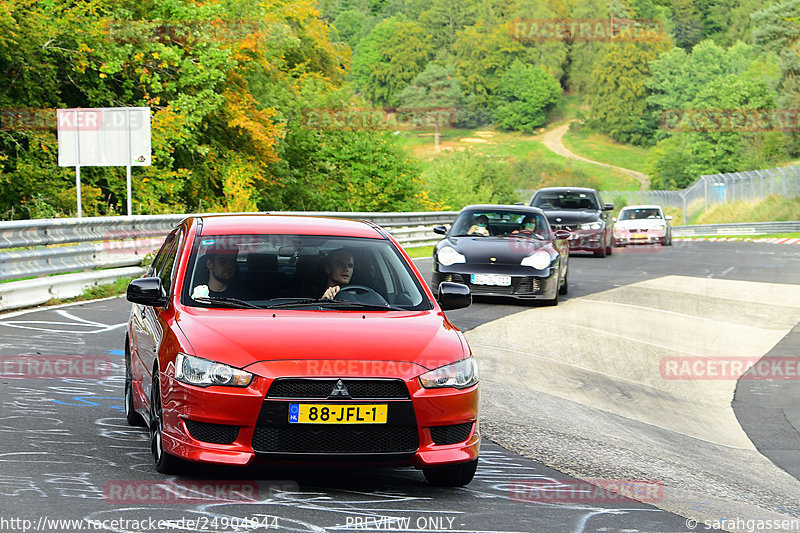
147, 327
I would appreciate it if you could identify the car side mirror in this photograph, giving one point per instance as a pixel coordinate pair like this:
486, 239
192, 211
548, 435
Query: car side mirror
608, 207
668, 217
147, 291
613, 219
440, 230
562, 234
453, 296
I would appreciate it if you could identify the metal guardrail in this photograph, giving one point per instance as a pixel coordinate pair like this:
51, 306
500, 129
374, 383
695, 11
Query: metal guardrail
107, 242
747, 228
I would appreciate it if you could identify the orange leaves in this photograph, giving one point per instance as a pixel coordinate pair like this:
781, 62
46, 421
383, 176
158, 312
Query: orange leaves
256, 125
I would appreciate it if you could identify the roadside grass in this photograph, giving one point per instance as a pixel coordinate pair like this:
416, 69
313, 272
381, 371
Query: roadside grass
508, 146
774, 208
419, 251
599, 147
96, 292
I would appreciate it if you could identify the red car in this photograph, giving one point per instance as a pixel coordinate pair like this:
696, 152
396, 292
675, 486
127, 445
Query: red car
298, 339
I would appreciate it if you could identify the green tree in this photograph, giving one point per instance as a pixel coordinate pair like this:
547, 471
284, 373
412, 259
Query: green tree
434, 90
387, 59
525, 96
618, 93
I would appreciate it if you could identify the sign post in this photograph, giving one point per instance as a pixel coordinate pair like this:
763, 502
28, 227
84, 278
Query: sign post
104, 137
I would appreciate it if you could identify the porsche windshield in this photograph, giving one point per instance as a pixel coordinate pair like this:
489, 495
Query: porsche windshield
270, 271
550, 200
497, 223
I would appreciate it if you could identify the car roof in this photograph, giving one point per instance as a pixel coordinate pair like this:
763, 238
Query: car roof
286, 224
499, 207
640, 207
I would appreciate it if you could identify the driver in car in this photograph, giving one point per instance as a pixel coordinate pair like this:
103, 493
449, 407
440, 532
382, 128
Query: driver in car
338, 266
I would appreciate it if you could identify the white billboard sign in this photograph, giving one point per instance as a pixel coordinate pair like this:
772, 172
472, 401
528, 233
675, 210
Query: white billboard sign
104, 137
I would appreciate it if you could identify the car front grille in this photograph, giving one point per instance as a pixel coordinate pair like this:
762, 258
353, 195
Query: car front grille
567, 227
214, 433
451, 434
361, 389
275, 435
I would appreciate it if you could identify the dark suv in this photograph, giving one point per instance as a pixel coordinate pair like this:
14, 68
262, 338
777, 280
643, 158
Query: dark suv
582, 212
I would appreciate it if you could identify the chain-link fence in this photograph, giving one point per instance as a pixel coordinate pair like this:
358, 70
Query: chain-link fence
716, 189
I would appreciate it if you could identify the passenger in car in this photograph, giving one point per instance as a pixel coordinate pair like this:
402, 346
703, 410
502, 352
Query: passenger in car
339, 265
480, 226
222, 272
528, 225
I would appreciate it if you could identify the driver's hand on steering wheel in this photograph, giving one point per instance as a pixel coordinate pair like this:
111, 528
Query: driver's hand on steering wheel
331, 292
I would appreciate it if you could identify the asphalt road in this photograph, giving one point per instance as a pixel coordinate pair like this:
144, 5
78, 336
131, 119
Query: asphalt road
67, 453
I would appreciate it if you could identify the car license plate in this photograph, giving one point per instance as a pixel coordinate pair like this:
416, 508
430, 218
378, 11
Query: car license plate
491, 279
315, 413
638, 235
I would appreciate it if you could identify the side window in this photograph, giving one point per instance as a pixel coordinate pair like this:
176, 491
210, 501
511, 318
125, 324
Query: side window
168, 266
158, 262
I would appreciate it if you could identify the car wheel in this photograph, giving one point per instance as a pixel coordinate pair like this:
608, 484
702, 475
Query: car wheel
456, 475
133, 418
601, 253
565, 287
165, 463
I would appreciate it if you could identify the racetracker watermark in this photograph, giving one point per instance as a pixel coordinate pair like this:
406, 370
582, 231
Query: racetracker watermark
181, 31
730, 120
586, 30
49, 119
589, 491
54, 366
190, 492
388, 118
730, 368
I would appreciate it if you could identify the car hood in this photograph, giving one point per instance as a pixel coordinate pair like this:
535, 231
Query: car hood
244, 337
572, 216
503, 249
640, 223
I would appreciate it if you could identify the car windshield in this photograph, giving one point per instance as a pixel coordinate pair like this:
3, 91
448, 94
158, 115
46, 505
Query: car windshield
551, 200
280, 271
500, 223
638, 214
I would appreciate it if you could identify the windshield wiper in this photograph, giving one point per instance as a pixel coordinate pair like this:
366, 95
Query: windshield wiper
334, 303
232, 302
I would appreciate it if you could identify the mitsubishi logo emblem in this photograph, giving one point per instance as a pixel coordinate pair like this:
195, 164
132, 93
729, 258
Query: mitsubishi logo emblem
340, 390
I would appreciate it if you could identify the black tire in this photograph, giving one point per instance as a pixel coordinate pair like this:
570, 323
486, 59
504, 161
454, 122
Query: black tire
165, 463
601, 253
456, 475
565, 287
131, 416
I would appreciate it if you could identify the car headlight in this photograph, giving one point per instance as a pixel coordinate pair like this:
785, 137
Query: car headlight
203, 373
538, 260
458, 375
592, 225
449, 256
657, 228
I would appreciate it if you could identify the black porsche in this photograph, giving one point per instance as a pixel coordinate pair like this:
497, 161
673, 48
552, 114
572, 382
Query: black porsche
504, 250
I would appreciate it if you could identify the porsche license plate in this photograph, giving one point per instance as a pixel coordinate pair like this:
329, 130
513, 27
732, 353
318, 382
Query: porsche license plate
491, 279
314, 413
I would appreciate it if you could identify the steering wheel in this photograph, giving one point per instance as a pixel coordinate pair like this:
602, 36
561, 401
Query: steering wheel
359, 291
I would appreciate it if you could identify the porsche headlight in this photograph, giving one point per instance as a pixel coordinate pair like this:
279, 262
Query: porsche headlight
202, 372
538, 260
458, 375
592, 225
449, 256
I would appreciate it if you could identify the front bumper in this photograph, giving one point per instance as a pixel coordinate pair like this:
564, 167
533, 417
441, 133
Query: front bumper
648, 237
542, 287
222, 425
587, 241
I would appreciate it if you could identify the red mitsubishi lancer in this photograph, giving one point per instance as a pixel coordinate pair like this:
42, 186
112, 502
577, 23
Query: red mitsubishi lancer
298, 339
